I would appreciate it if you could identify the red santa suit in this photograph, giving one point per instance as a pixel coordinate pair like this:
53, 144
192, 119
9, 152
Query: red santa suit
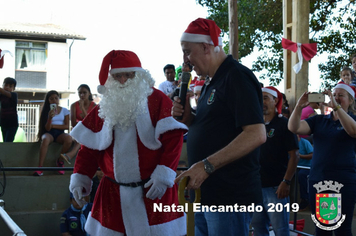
148, 149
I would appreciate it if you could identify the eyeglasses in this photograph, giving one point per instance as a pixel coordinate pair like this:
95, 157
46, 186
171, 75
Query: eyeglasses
129, 75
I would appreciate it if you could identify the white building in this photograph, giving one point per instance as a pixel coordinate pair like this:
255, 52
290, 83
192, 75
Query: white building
40, 62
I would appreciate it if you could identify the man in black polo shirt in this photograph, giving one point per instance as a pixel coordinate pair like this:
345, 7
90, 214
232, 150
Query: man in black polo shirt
278, 164
224, 133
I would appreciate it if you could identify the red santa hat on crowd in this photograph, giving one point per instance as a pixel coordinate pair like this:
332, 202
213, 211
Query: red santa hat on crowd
350, 89
203, 31
117, 61
2, 53
275, 93
198, 85
192, 83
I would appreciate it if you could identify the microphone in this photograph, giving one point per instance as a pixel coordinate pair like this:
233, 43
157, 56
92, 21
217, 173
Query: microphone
183, 90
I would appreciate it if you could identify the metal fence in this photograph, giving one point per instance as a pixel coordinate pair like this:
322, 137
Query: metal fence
29, 116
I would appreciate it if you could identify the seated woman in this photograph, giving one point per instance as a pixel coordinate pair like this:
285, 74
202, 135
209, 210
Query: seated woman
53, 121
78, 110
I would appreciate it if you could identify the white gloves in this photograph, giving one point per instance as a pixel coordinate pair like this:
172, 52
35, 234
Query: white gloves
78, 196
157, 189
161, 179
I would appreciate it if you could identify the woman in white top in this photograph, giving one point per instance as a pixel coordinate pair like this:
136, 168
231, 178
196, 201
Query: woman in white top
53, 121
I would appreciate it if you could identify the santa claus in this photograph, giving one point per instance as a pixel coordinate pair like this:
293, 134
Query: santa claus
133, 138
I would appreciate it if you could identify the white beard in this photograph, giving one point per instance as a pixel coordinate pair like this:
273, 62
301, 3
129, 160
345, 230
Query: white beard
122, 103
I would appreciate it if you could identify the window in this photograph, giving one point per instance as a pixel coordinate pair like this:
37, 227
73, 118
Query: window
31, 55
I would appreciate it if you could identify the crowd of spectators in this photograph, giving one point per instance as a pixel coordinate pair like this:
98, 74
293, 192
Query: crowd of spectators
244, 144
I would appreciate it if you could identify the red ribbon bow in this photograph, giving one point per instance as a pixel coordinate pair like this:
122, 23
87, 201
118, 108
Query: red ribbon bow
306, 50
2, 53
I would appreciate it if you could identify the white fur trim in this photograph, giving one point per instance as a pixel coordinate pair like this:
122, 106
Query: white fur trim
150, 135
126, 165
97, 141
146, 131
167, 124
79, 180
101, 89
128, 69
346, 87
94, 228
175, 227
198, 38
133, 211
197, 88
270, 91
164, 174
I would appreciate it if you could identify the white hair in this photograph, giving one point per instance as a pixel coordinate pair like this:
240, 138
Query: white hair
122, 103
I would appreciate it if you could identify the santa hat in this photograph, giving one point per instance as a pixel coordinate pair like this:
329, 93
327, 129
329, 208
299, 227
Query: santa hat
350, 89
198, 85
192, 83
194, 80
275, 93
2, 53
117, 61
203, 31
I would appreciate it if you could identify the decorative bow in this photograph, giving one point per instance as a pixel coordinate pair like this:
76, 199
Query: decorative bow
2, 53
306, 50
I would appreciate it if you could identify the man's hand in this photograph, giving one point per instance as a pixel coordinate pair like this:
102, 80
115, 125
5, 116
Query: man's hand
283, 190
178, 109
196, 174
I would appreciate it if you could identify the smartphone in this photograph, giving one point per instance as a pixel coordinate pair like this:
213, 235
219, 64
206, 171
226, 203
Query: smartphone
53, 106
316, 97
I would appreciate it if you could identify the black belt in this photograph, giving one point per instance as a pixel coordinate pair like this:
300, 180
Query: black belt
133, 184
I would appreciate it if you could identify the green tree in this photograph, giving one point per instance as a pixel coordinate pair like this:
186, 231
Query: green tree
260, 25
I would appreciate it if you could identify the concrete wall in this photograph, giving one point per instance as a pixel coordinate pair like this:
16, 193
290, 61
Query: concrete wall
29, 200
34, 203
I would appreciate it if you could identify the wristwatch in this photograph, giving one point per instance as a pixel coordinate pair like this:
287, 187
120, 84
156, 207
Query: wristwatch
337, 107
288, 182
208, 167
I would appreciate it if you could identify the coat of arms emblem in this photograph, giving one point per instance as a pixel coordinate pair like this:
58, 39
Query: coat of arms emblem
211, 98
328, 214
270, 134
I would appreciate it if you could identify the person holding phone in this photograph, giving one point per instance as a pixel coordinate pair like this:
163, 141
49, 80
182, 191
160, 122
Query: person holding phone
315, 99
334, 137
53, 121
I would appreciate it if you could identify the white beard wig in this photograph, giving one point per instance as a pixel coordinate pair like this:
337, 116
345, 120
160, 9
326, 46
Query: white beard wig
122, 103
